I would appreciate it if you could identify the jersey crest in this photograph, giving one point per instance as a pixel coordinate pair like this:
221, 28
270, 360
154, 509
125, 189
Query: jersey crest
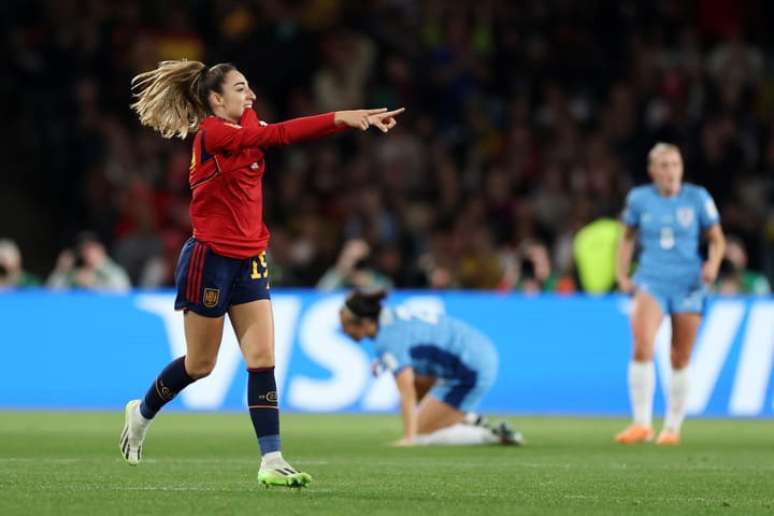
685, 216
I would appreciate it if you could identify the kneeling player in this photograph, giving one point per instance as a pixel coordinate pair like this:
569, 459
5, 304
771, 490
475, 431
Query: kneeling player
435, 353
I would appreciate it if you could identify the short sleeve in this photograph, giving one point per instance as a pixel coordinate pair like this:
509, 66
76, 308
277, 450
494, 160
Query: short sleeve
393, 353
631, 213
708, 212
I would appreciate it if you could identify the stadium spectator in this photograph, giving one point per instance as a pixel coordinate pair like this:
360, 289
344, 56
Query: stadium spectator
595, 247
734, 277
352, 270
535, 272
529, 108
12, 274
88, 266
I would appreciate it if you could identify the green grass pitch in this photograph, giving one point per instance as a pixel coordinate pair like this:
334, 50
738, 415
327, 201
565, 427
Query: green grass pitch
68, 463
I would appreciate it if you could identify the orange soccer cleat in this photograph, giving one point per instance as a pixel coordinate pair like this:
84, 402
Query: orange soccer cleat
635, 434
668, 438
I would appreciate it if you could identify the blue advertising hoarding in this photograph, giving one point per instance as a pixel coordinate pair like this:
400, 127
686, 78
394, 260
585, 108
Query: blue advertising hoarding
558, 355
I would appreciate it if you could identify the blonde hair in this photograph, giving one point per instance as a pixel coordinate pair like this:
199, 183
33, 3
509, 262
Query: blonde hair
660, 148
173, 98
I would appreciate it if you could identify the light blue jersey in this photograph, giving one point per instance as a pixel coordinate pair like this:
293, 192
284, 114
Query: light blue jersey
669, 232
463, 360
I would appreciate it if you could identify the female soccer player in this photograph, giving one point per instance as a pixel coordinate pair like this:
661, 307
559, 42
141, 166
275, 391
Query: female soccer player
425, 351
668, 218
222, 268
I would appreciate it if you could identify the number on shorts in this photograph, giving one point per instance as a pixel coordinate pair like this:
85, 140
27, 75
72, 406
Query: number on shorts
256, 274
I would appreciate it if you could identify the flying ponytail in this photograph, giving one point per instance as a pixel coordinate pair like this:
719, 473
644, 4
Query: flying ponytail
173, 98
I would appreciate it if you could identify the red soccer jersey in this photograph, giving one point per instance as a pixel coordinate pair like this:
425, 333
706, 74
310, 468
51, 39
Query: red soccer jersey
226, 176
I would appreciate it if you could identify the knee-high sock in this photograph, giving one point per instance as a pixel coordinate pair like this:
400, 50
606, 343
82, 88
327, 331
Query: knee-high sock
458, 434
262, 401
171, 381
642, 384
678, 394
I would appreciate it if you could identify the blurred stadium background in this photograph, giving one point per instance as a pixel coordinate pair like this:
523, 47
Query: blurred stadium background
496, 199
525, 122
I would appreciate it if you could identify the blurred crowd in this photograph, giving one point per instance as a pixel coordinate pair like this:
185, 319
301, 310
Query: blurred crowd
526, 124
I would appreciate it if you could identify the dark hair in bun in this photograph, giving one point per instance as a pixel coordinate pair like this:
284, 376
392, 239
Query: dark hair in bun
365, 305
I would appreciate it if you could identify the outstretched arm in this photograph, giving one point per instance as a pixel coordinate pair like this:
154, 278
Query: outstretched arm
232, 138
364, 118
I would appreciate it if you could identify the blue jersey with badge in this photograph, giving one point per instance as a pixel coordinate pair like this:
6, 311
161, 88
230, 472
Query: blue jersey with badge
669, 233
434, 345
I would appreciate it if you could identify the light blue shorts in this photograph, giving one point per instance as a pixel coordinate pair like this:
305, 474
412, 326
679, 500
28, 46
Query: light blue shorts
675, 300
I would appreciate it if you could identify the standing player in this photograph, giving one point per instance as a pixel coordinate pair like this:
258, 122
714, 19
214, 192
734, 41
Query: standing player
455, 362
669, 217
222, 268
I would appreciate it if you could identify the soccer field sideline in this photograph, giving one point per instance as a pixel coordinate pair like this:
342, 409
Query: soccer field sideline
68, 463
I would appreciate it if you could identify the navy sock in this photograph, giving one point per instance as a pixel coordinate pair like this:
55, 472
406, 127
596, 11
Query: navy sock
262, 400
172, 380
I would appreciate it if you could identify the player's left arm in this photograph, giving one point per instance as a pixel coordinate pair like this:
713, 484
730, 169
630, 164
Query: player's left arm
709, 219
404, 380
716, 247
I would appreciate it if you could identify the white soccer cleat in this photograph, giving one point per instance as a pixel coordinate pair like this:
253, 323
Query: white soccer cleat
277, 472
133, 434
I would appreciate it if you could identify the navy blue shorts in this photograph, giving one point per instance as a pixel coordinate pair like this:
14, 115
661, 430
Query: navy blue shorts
208, 283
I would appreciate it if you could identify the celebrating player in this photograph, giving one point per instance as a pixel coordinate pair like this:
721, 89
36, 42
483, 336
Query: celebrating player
426, 351
669, 217
222, 268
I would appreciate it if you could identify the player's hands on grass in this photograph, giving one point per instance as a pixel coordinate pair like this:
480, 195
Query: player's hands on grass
404, 443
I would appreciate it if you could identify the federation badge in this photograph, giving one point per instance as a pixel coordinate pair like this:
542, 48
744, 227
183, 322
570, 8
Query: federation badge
211, 296
685, 216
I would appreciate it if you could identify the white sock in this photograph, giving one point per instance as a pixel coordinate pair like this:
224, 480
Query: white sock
471, 418
140, 419
458, 434
642, 384
678, 394
272, 459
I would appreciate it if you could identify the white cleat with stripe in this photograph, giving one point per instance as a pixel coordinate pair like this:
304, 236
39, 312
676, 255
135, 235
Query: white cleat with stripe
133, 434
277, 472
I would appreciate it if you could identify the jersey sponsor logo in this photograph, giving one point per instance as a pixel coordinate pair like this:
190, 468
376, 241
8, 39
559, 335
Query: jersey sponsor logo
685, 216
211, 297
